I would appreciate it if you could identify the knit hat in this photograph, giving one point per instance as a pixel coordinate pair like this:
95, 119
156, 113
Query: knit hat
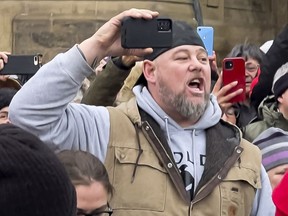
280, 83
33, 182
273, 144
6, 95
183, 34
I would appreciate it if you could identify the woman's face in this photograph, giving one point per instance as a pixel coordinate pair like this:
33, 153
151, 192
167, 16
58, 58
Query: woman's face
4, 115
251, 69
91, 199
276, 174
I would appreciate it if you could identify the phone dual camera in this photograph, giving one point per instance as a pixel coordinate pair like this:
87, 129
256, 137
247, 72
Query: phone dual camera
164, 25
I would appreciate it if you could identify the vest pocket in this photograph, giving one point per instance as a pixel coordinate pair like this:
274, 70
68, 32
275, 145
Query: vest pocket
149, 177
238, 191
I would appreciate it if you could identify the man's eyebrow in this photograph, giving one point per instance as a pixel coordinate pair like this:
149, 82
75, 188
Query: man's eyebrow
5, 112
201, 50
182, 50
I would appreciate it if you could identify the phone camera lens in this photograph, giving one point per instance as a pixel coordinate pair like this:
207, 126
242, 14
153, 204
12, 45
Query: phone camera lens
164, 25
228, 64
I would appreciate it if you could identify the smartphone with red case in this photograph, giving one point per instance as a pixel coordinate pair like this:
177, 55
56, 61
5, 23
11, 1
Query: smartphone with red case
234, 70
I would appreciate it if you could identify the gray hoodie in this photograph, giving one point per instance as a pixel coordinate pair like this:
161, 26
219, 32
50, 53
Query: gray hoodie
188, 145
43, 107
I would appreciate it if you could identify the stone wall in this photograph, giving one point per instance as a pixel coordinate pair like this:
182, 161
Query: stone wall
50, 27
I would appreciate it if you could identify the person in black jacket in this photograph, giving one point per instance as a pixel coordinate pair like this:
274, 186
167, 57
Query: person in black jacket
276, 56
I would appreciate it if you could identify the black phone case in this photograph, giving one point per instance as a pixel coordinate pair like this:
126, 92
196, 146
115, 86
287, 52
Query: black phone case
21, 65
141, 33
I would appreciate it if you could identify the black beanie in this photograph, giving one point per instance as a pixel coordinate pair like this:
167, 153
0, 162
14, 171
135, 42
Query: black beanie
280, 83
183, 34
33, 182
6, 95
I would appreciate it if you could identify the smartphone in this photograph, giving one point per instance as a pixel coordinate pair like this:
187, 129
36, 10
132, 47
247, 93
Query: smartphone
141, 33
206, 33
234, 70
22, 65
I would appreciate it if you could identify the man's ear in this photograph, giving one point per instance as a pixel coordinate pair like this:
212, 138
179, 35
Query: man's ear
280, 99
149, 71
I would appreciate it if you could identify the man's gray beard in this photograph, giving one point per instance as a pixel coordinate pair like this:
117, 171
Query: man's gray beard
184, 107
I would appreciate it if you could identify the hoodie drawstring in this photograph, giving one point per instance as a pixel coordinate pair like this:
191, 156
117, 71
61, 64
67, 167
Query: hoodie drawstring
166, 128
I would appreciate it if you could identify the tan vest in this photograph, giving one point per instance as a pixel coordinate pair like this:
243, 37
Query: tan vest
149, 191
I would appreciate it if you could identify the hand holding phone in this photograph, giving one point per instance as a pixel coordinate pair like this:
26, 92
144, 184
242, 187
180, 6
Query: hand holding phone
21, 65
234, 70
141, 33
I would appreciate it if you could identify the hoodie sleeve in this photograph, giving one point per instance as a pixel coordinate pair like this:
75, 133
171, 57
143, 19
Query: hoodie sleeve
263, 204
43, 107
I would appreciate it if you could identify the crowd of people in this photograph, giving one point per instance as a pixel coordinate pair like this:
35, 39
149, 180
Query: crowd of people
154, 134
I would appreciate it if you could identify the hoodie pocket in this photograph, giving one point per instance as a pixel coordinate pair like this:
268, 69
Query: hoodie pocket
145, 189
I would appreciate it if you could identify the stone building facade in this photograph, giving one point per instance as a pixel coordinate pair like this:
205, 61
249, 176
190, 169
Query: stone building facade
50, 27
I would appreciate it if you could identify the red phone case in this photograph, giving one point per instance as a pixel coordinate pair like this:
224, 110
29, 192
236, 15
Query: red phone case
234, 70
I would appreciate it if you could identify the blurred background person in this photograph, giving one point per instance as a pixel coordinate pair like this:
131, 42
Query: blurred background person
33, 182
243, 112
280, 197
91, 181
9, 85
273, 111
6, 95
109, 80
273, 144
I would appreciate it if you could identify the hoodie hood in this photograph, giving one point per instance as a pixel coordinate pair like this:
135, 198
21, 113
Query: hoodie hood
268, 109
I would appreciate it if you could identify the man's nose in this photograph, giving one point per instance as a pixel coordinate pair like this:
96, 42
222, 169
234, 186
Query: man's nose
194, 65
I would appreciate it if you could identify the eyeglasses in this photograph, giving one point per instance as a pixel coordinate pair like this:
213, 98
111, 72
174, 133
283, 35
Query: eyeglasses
250, 67
102, 211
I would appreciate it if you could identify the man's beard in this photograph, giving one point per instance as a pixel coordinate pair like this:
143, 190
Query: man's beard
183, 106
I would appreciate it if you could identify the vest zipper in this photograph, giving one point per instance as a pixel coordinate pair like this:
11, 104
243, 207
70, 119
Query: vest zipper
167, 161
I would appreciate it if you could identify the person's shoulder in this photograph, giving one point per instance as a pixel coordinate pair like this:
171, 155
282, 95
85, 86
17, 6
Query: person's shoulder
229, 129
248, 144
128, 108
251, 131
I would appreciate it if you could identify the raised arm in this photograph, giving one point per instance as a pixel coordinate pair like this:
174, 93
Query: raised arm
105, 86
43, 105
